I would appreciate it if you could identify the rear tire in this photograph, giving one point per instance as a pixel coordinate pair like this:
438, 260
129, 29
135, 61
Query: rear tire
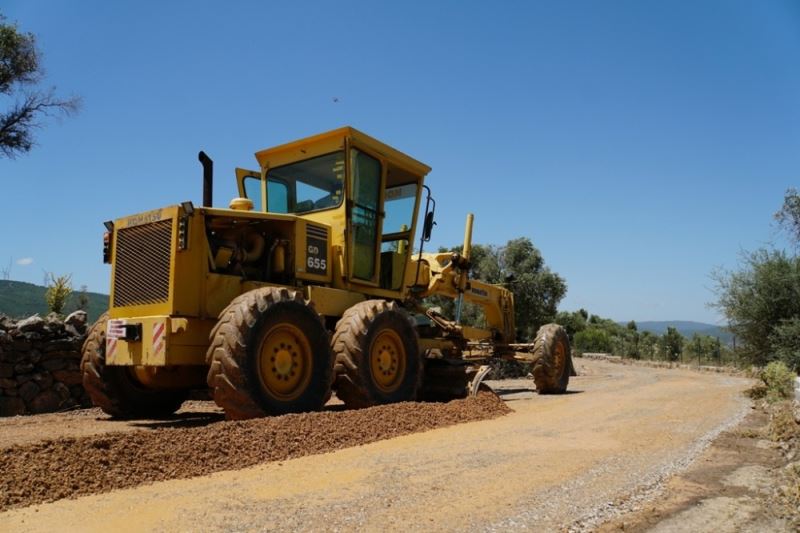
552, 360
115, 390
377, 355
269, 355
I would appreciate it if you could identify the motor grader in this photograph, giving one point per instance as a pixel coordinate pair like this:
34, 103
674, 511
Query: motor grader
307, 284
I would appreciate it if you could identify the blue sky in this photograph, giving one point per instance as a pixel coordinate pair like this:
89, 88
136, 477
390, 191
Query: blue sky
638, 144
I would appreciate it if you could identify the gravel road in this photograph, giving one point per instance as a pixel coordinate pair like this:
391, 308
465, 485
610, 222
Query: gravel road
554, 463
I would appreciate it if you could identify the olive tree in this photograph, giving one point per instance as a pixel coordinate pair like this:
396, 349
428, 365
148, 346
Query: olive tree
761, 301
20, 74
789, 215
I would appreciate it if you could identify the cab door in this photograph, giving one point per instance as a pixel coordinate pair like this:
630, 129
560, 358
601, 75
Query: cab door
364, 217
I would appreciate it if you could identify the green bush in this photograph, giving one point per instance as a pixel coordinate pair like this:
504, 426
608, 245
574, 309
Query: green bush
593, 339
779, 381
785, 339
59, 289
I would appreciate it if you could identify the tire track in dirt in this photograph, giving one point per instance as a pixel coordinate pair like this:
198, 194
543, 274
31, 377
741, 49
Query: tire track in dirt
71, 467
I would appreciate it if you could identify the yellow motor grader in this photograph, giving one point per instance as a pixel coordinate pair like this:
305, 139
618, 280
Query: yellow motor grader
307, 284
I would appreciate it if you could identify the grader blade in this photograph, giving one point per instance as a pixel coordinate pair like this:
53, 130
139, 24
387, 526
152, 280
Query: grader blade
476, 381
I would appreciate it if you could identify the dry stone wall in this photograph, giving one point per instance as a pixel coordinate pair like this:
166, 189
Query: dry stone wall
40, 364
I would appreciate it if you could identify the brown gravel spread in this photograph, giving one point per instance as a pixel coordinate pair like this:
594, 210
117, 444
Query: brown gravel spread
71, 467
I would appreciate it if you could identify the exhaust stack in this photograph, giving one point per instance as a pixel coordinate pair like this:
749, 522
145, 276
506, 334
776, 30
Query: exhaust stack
208, 178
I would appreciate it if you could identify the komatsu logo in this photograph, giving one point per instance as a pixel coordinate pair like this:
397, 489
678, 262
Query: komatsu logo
144, 218
479, 292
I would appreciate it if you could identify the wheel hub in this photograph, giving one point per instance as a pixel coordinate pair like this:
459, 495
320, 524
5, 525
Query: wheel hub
285, 362
387, 361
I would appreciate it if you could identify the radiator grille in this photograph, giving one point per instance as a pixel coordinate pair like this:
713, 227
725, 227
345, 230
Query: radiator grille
141, 274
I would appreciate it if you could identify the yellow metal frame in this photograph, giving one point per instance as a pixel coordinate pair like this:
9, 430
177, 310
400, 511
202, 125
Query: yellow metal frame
184, 338
197, 293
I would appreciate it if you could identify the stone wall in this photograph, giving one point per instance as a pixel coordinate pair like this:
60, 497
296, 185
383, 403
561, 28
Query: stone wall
40, 364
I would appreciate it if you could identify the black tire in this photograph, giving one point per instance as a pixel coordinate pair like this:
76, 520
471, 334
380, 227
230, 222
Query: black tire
115, 390
244, 376
394, 373
552, 360
443, 381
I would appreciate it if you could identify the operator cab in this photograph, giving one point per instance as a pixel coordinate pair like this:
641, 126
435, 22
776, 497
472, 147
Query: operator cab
368, 192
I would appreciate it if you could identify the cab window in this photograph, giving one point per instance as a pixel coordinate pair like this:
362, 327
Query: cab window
310, 185
399, 207
277, 197
252, 190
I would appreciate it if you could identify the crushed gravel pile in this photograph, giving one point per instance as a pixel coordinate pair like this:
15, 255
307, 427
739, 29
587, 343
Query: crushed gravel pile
70, 467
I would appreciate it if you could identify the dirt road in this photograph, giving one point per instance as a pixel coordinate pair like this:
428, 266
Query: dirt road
555, 462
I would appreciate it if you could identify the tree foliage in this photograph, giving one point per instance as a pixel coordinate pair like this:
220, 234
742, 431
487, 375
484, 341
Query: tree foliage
762, 298
672, 344
20, 72
519, 266
595, 334
537, 290
573, 322
785, 339
762, 304
703, 346
789, 215
593, 340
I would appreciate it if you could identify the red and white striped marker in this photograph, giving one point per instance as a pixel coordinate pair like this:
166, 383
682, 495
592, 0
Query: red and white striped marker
115, 329
159, 338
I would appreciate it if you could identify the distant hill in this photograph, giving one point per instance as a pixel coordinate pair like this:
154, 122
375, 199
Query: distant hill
686, 328
19, 300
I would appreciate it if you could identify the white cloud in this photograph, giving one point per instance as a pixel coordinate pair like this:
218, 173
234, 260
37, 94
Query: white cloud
25, 261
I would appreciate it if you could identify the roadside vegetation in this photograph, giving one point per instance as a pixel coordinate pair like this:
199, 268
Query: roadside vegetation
761, 299
594, 334
776, 383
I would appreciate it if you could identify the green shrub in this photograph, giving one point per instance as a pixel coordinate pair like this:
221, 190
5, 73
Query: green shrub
779, 381
59, 288
593, 339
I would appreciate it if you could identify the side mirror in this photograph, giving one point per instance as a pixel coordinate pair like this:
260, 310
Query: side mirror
427, 229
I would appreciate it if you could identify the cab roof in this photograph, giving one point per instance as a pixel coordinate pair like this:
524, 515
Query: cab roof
372, 144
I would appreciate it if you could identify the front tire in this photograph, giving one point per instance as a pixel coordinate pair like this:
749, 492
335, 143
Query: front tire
269, 355
377, 355
115, 389
552, 360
